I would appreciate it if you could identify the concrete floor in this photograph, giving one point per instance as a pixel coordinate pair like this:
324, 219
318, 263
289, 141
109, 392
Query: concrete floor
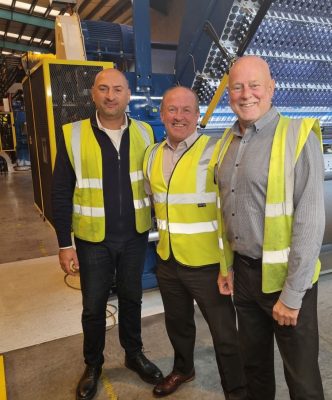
51, 370
24, 234
40, 320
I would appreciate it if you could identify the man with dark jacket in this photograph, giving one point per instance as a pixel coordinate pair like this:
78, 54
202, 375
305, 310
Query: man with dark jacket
98, 193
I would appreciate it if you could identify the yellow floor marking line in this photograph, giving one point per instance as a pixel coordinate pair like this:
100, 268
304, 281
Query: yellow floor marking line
108, 388
42, 249
3, 395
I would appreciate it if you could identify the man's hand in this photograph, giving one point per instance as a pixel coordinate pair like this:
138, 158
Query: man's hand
69, 261
284, 315
225, 283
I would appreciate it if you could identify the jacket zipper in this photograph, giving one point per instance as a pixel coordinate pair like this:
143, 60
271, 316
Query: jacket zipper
120, 186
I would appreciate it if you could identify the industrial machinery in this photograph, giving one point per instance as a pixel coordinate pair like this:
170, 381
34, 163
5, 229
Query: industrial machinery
22, 151
7, 142
294, 36
55, 92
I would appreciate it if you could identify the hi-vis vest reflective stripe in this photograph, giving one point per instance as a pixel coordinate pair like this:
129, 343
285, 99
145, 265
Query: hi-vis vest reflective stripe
186, 208
288, 142
85, 156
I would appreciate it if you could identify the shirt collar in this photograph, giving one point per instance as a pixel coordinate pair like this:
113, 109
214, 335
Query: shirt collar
259, 124
187, 142
122, 128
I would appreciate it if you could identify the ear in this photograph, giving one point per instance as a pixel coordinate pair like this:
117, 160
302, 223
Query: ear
272, 87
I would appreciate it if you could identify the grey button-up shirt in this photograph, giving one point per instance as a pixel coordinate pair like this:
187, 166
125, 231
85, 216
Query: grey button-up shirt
242, 180
171, 156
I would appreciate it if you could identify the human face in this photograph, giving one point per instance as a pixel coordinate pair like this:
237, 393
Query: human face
111, 96
179, 113
250, 90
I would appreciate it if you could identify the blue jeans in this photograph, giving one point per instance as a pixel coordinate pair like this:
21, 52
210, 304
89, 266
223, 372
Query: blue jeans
98, 264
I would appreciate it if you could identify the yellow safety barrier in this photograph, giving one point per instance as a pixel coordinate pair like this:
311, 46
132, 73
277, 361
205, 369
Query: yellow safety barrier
215, 100
3, 395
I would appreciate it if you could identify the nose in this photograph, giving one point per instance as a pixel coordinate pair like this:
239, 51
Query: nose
110, 94
178, 114
246, 91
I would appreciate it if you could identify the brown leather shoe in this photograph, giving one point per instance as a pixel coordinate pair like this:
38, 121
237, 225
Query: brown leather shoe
172, 381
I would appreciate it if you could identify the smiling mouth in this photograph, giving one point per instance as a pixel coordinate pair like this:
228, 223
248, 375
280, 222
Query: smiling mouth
248, 105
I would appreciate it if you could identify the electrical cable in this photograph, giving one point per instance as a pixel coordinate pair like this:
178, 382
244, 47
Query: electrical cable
111, 309
68, 277
111, 314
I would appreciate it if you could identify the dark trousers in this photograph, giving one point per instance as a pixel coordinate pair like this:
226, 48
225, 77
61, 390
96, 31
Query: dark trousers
179, 287
98, 264
298, 345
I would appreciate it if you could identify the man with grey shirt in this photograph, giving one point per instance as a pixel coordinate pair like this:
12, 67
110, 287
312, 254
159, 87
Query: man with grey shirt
270, 177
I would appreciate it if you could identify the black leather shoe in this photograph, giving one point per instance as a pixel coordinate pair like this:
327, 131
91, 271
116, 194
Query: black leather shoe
172, 381
87, 386
148, 371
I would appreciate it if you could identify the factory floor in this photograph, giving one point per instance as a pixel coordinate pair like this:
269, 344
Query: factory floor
40, 331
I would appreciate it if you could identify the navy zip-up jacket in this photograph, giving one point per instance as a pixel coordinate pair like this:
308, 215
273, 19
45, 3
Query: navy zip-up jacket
118, 198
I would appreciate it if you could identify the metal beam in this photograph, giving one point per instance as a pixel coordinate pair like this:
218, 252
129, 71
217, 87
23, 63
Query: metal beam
96, 9
6, 30
27, 19
119, 8
33, 35
83, 6
20, 33
160, 5
32, 6
142, 44
21, 47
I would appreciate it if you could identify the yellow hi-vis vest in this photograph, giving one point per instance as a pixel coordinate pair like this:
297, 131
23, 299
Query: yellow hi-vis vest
186, 208
289, 139
85, 156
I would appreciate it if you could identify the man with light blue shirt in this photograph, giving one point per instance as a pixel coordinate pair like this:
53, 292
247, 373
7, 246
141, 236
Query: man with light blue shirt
270, 177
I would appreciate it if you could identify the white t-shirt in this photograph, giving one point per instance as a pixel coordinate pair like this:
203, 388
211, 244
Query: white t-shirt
114, 134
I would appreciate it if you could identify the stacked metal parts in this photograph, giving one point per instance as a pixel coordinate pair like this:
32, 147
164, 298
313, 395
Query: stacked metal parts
295, 38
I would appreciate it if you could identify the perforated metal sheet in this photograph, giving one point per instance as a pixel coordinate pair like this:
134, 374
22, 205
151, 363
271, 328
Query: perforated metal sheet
295, 38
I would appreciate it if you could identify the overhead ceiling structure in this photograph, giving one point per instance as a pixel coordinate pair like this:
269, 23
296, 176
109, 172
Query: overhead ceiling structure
28, 26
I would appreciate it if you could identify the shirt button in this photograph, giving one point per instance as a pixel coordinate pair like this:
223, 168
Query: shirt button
232, 190
236, 165
233, 214
236, 237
